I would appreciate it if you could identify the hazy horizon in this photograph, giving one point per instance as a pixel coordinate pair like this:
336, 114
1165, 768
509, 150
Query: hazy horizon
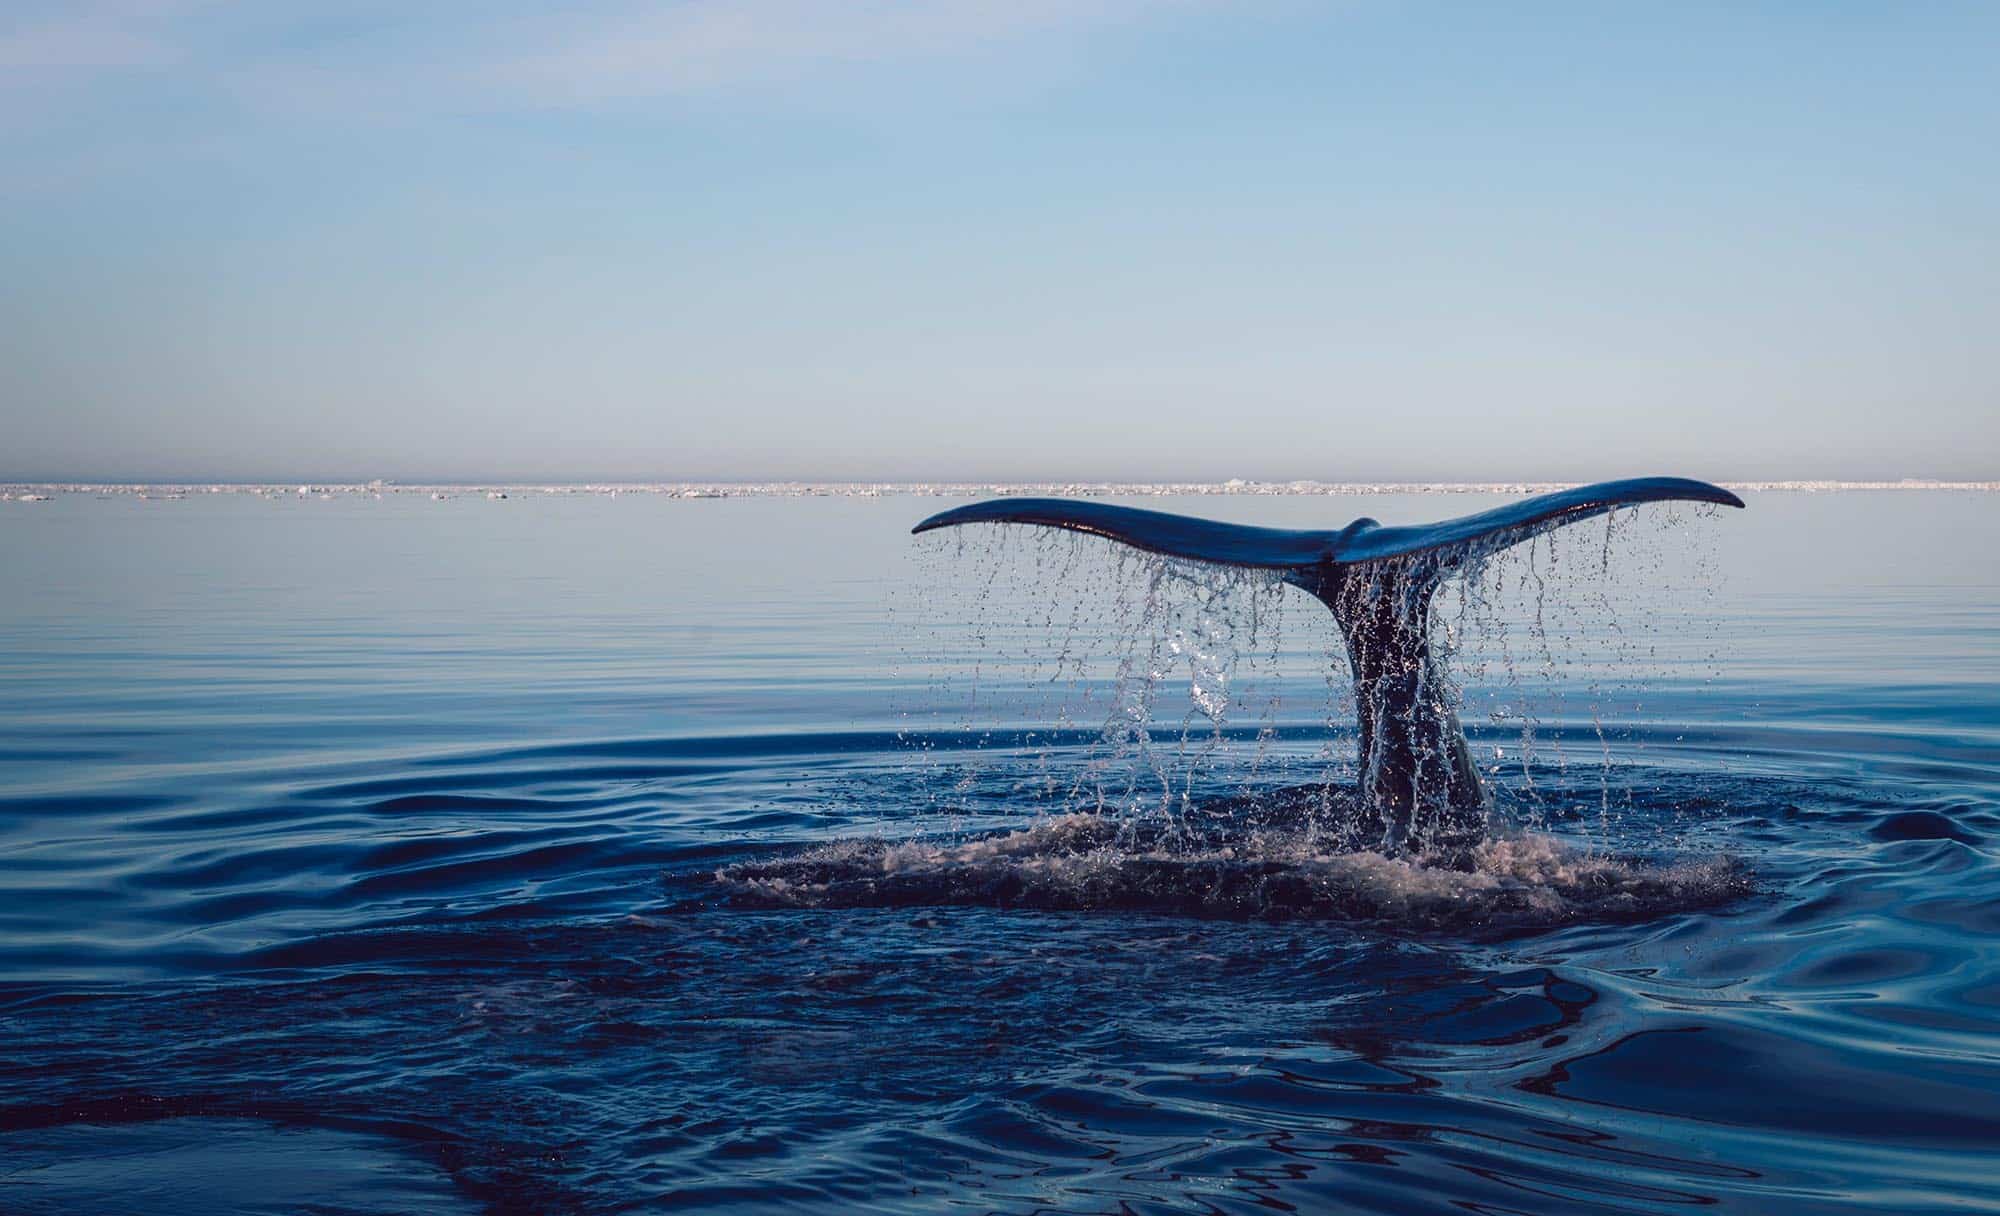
1274, 473
578, 480
1606, 470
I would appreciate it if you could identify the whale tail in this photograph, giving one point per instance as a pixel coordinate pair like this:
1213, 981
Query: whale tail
1442, 545
1416, 768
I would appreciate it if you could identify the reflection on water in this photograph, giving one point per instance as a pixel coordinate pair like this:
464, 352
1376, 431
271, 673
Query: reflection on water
592, 856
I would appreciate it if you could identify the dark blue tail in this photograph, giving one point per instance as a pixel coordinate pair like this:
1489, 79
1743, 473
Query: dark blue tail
1417, 774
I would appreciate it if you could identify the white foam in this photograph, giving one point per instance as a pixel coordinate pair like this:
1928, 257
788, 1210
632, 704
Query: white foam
1087, 861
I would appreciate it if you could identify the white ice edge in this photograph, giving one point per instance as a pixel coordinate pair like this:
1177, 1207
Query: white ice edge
498, 490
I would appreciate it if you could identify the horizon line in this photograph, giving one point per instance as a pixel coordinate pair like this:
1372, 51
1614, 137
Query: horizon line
778, 487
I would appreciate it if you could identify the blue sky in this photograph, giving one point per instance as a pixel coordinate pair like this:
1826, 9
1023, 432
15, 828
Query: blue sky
1043, 238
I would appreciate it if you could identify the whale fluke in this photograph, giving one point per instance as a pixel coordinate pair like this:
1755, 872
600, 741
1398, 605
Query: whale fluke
1208, 540
1416, 769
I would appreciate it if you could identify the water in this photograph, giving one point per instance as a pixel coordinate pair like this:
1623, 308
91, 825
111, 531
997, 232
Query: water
580, 854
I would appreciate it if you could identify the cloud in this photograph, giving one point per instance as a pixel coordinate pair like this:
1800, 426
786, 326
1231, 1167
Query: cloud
88, 85
652, 49
484, 54
84, 36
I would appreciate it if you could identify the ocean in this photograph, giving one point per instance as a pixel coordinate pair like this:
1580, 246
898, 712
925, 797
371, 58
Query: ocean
579, 852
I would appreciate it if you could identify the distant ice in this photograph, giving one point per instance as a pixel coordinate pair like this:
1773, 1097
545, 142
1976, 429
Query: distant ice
42, 491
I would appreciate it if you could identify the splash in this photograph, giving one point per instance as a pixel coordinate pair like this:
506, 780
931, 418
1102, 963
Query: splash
1160, 657
1088, 862
1155, 658
1558, 648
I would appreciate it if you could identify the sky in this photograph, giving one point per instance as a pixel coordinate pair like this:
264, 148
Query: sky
1027, 239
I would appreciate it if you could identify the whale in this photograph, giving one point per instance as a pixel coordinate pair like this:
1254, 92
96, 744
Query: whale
1416, 773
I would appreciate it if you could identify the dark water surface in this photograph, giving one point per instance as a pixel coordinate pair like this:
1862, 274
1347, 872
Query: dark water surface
579, 854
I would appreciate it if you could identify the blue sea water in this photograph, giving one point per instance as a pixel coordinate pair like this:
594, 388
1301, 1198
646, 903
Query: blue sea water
590, 854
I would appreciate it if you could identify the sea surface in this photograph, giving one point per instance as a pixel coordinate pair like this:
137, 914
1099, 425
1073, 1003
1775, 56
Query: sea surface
590, 854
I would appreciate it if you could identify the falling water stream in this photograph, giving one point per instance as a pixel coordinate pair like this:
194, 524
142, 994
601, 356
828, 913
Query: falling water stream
1168, 806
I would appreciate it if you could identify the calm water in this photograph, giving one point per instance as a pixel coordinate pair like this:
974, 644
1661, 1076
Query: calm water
578, 854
